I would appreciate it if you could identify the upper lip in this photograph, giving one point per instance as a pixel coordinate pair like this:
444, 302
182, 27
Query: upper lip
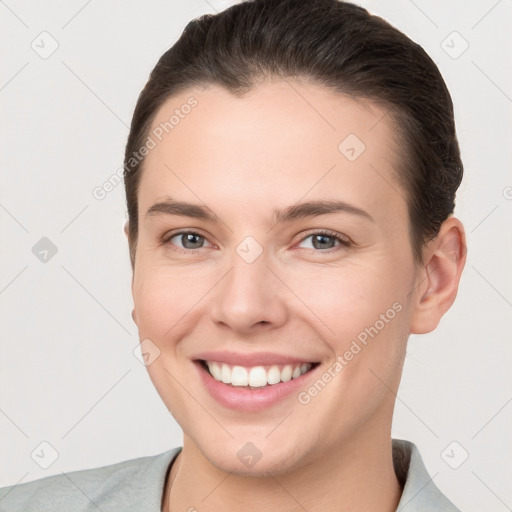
254, 359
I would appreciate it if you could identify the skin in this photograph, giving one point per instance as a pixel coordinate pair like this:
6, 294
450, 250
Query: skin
243, 158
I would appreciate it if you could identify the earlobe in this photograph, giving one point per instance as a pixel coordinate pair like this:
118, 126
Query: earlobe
126, 229
445, 257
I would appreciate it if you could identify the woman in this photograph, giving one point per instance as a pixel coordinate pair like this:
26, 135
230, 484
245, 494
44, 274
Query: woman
290, 177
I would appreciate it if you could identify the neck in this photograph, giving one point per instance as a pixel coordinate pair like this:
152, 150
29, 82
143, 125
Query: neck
357, 476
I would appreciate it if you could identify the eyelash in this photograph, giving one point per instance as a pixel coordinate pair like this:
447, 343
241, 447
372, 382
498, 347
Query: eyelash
343, 241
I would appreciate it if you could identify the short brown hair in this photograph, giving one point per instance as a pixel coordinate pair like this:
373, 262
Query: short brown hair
336, 44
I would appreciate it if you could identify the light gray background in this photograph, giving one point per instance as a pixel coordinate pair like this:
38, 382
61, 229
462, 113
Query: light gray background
68, 373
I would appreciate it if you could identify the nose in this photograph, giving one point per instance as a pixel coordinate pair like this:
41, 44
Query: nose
250, 298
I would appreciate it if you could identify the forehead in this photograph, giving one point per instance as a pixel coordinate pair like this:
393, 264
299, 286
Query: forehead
281, 141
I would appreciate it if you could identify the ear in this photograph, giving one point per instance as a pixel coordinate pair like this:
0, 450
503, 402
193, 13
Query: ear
439, 276
127, 233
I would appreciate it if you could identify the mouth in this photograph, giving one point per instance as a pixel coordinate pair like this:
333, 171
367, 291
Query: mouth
255, 377
254, 388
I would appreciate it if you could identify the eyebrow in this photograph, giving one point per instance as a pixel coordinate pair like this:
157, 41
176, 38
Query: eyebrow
297, 211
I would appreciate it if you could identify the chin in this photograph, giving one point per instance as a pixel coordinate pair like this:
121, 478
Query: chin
256, 457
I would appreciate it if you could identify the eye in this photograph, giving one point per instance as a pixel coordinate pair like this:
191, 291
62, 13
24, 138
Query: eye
322, 241
190, 240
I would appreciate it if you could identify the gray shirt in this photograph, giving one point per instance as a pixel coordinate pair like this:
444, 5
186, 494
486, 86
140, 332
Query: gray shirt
137, 485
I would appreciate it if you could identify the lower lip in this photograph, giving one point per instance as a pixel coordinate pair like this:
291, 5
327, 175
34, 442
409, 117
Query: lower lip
250, 400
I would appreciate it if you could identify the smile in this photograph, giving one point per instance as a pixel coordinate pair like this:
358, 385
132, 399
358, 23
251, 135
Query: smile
256, 376
252, 383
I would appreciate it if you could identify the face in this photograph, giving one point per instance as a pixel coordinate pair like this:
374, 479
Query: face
291, 264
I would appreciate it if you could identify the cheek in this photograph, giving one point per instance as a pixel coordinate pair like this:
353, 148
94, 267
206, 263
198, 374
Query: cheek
348, 299
162, 300
362, 313
163, 297
153, 304
367, 322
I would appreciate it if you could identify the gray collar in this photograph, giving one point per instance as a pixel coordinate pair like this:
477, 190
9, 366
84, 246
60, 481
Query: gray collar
419, 494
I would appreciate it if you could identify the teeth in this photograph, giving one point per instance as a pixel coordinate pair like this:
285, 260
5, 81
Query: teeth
225, 374
257, 376
215, 371
239, 376
274, 375
286, 373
